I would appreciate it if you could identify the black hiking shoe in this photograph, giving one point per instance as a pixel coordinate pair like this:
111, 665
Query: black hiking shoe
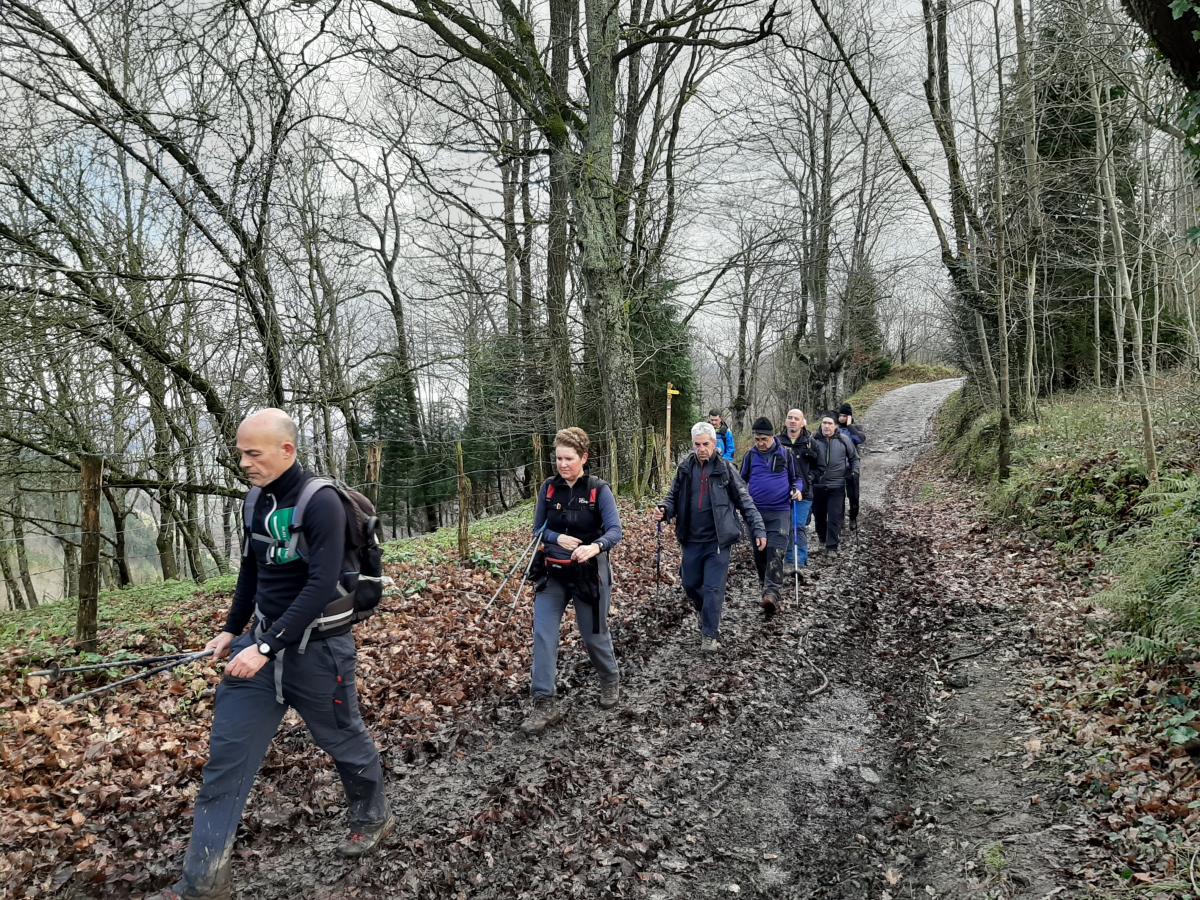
546, 712
831, 555
362, 842
610, 694
770, 605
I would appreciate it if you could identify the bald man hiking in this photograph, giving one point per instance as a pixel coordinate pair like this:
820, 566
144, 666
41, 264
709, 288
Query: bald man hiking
297, 654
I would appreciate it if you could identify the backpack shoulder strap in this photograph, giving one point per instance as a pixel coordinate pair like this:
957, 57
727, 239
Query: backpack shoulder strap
547, 488
745, 470
306, 494
849, 444
249, 505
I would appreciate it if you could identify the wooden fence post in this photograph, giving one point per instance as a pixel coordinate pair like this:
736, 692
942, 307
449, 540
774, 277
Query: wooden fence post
538, 459
635, 463
374, 473
89, 563
464, 507
613, 474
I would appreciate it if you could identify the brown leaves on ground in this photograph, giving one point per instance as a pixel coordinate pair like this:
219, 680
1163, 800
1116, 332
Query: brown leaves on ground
100, 793
1120, 736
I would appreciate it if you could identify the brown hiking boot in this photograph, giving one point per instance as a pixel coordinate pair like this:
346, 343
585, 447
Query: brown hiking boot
770, 604
610, 694
362, 842
546, 712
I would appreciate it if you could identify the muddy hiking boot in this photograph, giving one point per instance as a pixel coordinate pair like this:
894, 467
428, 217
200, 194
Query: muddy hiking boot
709, 645
769, 604
361, 842
546, 712
610, 694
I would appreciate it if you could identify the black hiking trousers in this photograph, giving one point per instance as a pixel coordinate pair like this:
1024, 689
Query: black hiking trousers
829, 509
852, 496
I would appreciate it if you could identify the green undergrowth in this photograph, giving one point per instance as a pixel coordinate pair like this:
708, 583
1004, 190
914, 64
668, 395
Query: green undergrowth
1078, 477
897, 377
155, 616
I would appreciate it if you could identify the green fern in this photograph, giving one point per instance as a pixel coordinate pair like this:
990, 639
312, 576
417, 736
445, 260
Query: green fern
1157, 591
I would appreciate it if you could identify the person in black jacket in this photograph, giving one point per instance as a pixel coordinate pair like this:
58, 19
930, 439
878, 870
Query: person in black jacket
836, 462
284, 588
704, 500
577, 517
858, 437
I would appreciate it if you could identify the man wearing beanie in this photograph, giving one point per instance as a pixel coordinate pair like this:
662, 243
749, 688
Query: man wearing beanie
704, 500
858, 437
769, 470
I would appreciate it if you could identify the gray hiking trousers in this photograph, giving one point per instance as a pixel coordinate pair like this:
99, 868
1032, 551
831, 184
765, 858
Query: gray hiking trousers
319, 685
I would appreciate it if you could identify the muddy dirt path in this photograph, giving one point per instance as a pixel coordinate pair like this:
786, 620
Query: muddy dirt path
784, 767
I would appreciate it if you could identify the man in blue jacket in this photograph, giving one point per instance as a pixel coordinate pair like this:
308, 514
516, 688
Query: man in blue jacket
726, 445
769, 470
704, 501
282, 589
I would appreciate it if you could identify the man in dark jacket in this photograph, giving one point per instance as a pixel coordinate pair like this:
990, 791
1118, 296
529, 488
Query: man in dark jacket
796, 438
769, 470
858, 437
836, 462
704, 500
283, 588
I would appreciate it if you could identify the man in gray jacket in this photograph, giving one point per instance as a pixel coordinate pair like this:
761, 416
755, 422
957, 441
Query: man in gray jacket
704, 500
836, 462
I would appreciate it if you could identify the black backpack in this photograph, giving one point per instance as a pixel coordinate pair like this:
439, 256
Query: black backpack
361, 586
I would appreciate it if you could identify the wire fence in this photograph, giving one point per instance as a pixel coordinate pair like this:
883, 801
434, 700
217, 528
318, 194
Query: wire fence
441, 482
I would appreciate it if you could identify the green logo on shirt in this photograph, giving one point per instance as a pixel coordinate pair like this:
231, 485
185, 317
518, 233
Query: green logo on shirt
279, 526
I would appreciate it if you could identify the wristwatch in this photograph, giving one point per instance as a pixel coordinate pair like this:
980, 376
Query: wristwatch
264, 648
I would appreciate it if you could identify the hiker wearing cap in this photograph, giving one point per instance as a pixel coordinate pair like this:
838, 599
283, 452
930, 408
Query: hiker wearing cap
835, 463
705, 499
769, 471
285, 587
796, 438
577, 518
726, 445
858, 437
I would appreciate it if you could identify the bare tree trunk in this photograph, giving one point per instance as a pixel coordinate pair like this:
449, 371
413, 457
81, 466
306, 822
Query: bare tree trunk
18, 530
16, 597
1096, 301
562, 378
120, 551
1108, 184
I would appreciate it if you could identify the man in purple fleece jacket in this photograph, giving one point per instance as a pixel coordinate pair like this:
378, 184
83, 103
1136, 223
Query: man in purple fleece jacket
769, 471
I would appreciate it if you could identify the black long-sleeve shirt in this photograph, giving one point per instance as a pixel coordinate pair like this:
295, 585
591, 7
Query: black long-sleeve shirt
290, 593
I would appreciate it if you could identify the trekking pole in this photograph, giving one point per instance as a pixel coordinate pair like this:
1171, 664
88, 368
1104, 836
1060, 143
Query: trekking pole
796, 551
520, 587
55, 671
537, 537
658, 564
175, 663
